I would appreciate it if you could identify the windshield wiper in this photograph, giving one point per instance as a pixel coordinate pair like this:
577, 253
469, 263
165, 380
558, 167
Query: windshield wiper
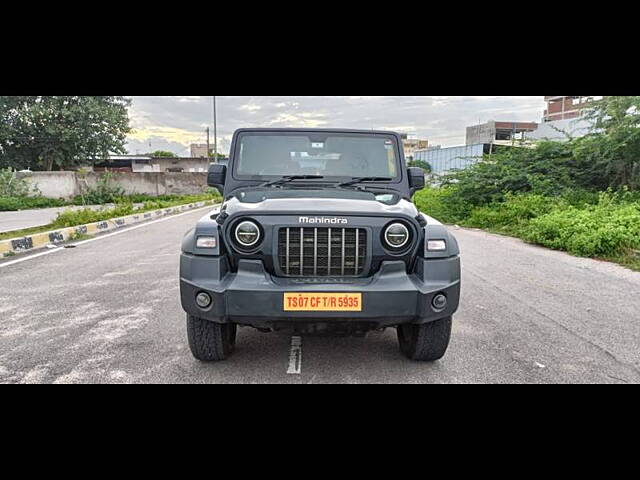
354, 181
290, 178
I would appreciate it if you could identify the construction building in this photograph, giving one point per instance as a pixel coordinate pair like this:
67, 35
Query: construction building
499, 133
565, 108
199, 150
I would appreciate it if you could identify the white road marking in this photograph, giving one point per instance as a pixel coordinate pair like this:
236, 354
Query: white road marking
295, 356
101, 237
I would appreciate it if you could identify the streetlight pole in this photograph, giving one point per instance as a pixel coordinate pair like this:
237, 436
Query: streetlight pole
215, 132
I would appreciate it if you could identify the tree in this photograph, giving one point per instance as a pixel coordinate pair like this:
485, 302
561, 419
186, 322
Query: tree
422, 164
61, 132
161, 154
610, 156
217, 156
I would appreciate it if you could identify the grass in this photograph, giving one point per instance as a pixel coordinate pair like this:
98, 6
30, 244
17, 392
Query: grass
76, 237
12, 204
84, 216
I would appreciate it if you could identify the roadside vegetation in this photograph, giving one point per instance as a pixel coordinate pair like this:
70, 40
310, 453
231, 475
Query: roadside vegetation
14, 195
17, 194
581, 195
72, 218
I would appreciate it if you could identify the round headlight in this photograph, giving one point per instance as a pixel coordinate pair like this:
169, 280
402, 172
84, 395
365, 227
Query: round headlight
396, 235
247, 234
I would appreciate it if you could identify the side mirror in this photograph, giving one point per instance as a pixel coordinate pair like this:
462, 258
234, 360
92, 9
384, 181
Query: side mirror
217, 176
416, 179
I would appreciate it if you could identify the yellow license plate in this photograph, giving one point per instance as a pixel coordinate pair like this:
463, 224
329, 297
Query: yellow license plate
322, 302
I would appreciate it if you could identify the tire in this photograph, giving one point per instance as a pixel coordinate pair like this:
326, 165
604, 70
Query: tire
425, 343
210, 341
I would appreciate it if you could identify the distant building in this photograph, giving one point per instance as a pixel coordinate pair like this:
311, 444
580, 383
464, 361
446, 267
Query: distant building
199, 150
565, 108
120, 163
499, 133
411, 145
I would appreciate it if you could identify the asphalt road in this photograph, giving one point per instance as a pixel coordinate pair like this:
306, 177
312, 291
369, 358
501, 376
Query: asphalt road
108, 311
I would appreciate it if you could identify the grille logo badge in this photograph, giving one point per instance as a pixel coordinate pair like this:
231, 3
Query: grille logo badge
323, 220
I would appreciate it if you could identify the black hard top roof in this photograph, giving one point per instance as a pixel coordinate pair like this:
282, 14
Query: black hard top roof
318, 130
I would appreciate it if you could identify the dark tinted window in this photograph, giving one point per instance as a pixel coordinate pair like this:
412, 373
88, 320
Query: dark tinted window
329, 155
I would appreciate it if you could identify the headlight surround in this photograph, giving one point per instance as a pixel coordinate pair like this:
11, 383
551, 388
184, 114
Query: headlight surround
397, 236
247, 234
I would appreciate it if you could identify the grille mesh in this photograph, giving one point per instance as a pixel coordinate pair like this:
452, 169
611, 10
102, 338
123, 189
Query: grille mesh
322, 252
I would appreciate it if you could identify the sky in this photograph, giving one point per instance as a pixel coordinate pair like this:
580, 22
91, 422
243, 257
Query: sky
174, 122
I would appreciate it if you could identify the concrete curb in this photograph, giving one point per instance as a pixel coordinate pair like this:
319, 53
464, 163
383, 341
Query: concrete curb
56, 237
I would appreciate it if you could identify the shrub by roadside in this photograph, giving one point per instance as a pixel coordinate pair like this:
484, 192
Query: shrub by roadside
604, 225
607, 229
80, 217
12, 204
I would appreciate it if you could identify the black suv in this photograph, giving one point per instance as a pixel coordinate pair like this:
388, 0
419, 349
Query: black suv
317, 234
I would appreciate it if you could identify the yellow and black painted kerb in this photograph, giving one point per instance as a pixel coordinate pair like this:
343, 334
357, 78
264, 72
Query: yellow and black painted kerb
41, 240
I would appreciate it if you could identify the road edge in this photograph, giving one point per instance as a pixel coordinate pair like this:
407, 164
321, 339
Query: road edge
54, 238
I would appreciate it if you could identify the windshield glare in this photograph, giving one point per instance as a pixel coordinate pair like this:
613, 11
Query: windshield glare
324, 155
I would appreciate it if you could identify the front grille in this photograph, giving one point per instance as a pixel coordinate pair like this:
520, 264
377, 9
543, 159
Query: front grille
322, 252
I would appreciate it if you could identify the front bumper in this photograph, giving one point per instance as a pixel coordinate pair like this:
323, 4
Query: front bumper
251, 296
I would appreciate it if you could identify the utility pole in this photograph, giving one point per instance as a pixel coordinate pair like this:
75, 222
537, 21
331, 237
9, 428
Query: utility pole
215, 132
208, 149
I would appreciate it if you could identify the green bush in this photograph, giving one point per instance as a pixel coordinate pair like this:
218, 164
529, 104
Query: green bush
443, 204
8, 204
514, 213
12, 186
607, 229
71, 218
143, 198
105, 191
79, 217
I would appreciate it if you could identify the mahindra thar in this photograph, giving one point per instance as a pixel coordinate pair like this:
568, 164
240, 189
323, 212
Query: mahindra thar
317, 234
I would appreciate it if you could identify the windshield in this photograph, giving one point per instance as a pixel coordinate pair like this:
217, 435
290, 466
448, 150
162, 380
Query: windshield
322, 154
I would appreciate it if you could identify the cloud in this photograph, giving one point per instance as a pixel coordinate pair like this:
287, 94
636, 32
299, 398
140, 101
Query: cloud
181, 120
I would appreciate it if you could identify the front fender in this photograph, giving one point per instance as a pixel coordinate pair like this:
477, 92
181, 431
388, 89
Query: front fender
434, 230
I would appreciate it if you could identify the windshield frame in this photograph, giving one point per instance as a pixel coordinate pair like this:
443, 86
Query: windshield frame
328, 179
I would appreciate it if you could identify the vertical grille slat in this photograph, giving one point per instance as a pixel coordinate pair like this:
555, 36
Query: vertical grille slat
322, 252
301, 252
357, 250
287, 250
342, 253
315, 252
329, 254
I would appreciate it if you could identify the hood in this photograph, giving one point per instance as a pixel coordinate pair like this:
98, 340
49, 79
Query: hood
318, 202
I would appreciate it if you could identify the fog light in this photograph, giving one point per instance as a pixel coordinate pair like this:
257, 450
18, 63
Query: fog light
203, 300
439, 302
